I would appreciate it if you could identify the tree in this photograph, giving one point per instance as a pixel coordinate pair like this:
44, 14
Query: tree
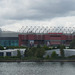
26, 52
18, 54
40, 52
46, 47
59, 46
38, 46
47, 57
35, 52
1, 48
54, 55
72, 44
30, 52
62, 51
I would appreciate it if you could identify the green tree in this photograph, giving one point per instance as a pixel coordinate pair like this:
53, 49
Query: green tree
38, 46
47, 57
46, 47
62, 51
18, 54
35, 52
40, 52
54, 55
59, 46
26, 52
72, 44
1, 48
30, 52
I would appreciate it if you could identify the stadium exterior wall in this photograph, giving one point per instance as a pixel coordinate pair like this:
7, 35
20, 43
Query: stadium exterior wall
45, 39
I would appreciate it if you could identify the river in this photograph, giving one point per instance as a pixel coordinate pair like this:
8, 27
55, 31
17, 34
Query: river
37, 68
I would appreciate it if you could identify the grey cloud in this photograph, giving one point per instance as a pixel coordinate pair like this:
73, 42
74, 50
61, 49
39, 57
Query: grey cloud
6, 22
35, 9
51, 10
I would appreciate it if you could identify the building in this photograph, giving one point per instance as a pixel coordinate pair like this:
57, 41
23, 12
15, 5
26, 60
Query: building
49, 39
11, 52
8, 41
67, 52
8, 38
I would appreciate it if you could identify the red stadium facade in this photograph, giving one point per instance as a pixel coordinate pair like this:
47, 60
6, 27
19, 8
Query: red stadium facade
50, 39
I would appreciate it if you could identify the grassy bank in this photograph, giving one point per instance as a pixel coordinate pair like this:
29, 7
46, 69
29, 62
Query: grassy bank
34, 59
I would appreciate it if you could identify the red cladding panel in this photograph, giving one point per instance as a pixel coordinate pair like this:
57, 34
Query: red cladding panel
30, 37
35, 37
53, 43
25, 37
20, 39
64, 37
46, 37
39, 37
69, 37
36, 42
55, 38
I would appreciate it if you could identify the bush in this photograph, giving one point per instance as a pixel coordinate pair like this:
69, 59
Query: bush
47, 57
54, 55
35, 52
13, 47
38, 46
73, 56
59, 46
18, 54
72, 44
1, 48
39, 52
62, 51
46, 47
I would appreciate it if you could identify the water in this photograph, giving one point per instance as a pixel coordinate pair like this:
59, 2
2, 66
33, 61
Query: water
37, 68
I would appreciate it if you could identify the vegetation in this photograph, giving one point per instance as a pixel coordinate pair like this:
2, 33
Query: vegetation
72, 57
62, 51
72, 44
13, 47
1, 48
46, 47
47, 57
59, 46
38, 46
35, 52
18, 54
26, 53
54, 55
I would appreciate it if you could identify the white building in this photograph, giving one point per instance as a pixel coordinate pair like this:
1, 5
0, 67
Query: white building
11, 52
67, 52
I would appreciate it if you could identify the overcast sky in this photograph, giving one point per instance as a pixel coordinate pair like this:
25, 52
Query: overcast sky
17, 13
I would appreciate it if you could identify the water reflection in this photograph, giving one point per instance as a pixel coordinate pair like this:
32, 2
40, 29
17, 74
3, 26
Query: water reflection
37, 68
61, 63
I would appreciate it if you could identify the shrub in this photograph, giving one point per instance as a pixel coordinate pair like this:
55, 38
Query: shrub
18, 54
47, 57
62, 51
1, 48
54, 55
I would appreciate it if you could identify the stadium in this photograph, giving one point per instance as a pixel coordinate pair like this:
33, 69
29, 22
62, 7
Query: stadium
34, 35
